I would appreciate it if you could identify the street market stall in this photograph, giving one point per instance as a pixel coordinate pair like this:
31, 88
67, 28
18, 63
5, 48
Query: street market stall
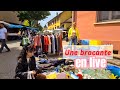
61, 31
13, 30
64, 69
60, 68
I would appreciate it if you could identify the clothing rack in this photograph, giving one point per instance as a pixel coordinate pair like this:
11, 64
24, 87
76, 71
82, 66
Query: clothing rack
48, 44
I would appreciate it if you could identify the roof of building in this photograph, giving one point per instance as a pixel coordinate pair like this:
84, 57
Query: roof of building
55, 17
69, 20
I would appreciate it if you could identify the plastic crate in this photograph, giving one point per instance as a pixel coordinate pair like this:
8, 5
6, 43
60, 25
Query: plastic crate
85, 42
94, 42
114, 69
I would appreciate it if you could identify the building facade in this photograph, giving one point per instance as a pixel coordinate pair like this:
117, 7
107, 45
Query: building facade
9, 16
99, 25
62, 20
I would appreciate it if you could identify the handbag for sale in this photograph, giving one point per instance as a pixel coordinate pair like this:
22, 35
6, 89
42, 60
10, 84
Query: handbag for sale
25, 41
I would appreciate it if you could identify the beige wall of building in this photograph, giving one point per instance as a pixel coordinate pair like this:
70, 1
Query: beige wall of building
9, 16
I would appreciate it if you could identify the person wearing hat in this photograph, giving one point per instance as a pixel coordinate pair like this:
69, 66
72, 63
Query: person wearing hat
3, 37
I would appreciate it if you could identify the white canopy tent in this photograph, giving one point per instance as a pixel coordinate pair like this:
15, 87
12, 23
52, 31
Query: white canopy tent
48, 31
59, 30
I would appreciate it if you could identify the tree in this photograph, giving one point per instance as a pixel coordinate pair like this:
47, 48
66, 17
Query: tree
32, 16
40, 27
45, 26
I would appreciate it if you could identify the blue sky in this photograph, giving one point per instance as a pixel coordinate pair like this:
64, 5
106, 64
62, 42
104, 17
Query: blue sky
53, 14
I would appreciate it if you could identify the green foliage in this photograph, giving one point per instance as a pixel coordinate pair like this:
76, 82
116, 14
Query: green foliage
45, 26
32, 16
40, 27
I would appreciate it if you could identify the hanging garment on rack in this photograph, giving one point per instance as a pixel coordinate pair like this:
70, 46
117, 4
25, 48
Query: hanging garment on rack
53, 44
37, 41
49, 46
60, 43
46, 43
42, 41
57, 43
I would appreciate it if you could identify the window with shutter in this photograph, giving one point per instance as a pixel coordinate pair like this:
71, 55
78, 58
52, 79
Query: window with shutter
103, 16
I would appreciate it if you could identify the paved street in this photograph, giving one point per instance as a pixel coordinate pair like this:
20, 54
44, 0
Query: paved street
8, 60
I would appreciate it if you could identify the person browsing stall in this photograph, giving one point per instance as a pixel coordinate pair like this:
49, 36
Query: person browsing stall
26, 66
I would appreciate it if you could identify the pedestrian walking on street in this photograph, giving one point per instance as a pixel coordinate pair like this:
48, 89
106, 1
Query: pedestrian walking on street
3, 37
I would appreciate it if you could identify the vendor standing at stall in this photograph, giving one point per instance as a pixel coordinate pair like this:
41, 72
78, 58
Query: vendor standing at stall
73, 35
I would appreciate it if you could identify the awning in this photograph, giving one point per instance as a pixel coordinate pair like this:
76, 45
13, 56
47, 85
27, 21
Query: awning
14, 26
59, 29
68, 20
33, 29
11, 25
48, 31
